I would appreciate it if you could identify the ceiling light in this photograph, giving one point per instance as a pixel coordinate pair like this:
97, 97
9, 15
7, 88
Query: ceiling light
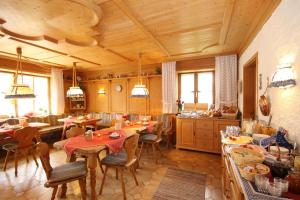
139, 90
16, 90
74, 91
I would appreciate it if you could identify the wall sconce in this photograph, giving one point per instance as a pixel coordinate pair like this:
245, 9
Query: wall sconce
284, 77
101, 91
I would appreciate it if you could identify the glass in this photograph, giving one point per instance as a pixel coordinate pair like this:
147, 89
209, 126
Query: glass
262, 183
205, 87
187, 88
6, 105
41, 101
274, 190
284, 185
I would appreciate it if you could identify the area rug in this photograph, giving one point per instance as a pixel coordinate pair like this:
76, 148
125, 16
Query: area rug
180, 184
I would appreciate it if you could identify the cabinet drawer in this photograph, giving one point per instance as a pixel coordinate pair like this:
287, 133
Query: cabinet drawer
205, 124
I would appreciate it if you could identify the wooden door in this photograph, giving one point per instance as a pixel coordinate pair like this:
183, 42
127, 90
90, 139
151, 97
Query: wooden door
250, 89
185, 131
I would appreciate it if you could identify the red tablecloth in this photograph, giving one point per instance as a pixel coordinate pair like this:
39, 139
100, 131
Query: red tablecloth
7, 131
101, 137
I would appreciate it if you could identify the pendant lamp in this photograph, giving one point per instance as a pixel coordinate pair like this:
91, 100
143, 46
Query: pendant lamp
17, 91
139, 90
75, 90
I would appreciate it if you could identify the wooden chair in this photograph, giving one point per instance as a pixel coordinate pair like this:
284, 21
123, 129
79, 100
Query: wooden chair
76, 131
152, 139
62, 174
125, 159
24, 145
167, 130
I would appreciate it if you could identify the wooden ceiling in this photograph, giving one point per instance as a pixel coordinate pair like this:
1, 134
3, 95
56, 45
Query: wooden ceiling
103, 34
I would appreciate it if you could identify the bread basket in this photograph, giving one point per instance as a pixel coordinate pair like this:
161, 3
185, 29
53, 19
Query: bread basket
248, 171
243, 155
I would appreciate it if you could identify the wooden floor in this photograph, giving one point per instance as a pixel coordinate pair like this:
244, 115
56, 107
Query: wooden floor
29, 183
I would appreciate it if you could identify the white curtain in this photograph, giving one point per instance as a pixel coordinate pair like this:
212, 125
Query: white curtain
226, 80
57, 91
169, 87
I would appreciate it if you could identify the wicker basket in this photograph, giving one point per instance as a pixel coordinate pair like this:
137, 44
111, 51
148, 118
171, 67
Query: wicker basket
229, 115
245, 155
258, 169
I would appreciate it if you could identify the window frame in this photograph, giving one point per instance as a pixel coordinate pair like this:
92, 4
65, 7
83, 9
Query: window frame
33, 75
196, 84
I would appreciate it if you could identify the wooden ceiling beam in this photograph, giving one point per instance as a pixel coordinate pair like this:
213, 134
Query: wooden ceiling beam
126, 10
194, 29
229, 9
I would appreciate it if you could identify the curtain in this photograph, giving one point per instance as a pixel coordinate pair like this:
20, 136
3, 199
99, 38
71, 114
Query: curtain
169, 87
226, 80
57, 91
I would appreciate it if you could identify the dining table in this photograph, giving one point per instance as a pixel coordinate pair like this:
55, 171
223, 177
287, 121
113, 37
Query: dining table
92, 152
78, 122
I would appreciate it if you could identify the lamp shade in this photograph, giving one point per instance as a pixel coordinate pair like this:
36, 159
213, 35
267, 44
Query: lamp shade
74, 92
19, 91
284, 77
139, 91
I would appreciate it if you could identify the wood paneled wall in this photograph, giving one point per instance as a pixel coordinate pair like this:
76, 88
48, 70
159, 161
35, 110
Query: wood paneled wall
121, 102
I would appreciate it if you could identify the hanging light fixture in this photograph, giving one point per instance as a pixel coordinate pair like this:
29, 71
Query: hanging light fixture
139, 90
75, 90
16, 90
284, 77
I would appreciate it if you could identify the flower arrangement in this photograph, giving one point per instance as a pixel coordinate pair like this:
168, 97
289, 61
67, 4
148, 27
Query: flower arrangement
179, 105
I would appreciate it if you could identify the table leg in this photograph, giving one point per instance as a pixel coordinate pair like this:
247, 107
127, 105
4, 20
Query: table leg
92, 164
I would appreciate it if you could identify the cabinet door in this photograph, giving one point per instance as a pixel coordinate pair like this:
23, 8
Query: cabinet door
218, 126
204, 139
187, 136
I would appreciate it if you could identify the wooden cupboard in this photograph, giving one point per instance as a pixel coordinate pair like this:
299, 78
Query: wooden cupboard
201, 134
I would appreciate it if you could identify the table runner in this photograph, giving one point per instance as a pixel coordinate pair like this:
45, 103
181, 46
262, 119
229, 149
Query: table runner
100, 137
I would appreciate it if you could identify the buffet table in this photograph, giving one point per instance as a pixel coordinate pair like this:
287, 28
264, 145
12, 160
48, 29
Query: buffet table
236, 187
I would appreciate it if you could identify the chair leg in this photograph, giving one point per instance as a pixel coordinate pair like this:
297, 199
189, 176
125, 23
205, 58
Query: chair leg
16, 162
34, 158
54, 193
133, 174
82, 185
103, 179
141, 151
100, 165
6, 160
123, 184
159, 149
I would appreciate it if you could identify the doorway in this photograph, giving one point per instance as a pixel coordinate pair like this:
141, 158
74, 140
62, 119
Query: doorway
250, 88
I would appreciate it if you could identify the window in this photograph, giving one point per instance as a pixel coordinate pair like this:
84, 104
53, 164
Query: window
196, 87
20, 107
40, 104
7, 106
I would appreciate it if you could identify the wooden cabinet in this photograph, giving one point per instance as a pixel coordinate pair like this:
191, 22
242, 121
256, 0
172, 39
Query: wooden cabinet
201, 134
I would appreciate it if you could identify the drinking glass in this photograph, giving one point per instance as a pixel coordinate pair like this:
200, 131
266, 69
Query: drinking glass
274, 190
284, 185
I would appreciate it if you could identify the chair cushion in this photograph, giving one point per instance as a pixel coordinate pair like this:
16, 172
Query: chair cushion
51, 129
149, 137
68, 171
115, 159
10, 146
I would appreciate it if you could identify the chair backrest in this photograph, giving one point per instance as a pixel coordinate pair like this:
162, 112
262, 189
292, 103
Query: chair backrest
53, 120
12, 121
43, 150
166, 119
24, 136
74, 131
158, 130
130, 147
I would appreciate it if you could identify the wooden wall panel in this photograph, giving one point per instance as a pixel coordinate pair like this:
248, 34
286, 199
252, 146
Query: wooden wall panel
155, 100
118, 99
195, 64
102, 100
136, 105
67, 84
